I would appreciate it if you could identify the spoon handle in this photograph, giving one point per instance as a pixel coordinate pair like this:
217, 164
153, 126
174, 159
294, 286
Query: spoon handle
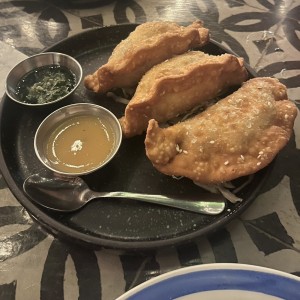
212, 205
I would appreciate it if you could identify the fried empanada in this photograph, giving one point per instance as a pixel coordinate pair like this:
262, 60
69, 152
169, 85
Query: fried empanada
179, 84
237, 136
149, 44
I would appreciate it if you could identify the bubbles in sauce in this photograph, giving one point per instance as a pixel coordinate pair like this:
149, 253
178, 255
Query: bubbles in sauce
79, 144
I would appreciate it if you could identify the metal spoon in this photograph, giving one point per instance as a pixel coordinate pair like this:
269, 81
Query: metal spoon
70, 194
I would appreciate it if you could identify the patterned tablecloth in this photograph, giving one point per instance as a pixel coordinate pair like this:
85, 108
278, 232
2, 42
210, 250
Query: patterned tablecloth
34, 265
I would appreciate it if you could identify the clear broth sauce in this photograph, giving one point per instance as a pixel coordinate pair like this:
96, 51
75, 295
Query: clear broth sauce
79, 144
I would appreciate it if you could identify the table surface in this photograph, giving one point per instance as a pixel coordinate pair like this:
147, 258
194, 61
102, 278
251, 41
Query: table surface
35, 265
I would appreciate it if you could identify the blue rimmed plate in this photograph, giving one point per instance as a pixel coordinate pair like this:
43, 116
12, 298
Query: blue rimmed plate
219, 282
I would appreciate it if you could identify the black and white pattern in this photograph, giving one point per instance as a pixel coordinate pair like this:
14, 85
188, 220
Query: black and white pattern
34, 265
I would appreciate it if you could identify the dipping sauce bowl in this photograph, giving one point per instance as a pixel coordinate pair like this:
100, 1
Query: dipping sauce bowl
78, 139
43, 79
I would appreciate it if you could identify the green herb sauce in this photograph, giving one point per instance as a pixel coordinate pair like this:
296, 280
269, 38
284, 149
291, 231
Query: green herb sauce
45, 84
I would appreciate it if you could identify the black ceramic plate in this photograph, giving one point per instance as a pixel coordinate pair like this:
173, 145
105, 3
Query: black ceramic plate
122, 224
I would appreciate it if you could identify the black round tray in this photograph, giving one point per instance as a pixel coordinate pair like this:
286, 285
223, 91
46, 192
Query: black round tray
121, 224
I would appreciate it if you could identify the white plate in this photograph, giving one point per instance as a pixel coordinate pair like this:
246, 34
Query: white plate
219, 282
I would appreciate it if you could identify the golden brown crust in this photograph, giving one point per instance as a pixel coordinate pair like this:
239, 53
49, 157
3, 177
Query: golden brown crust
238, 136
149, 44
178, 85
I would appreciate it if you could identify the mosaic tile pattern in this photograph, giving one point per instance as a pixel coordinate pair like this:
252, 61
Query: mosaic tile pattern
34, 265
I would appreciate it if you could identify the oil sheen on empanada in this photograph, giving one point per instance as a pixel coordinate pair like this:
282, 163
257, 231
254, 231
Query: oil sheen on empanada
149, 44
238, 136
179, 84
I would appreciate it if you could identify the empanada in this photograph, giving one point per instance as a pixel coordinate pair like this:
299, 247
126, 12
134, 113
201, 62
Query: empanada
237, 136
149, 44
179, 84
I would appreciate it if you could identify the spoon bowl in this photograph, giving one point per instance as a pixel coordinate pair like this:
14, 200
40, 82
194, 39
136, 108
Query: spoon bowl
66, 194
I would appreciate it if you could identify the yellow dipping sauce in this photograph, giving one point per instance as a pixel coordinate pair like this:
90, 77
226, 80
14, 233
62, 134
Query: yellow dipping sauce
79, 144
